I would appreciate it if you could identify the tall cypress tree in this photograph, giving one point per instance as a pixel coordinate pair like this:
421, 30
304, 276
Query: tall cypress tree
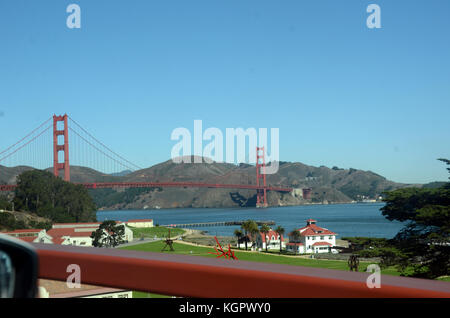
422, 247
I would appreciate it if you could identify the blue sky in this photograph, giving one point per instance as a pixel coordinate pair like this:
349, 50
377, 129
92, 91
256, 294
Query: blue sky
340, 93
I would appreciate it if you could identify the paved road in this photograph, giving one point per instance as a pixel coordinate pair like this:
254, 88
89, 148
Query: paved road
139, 241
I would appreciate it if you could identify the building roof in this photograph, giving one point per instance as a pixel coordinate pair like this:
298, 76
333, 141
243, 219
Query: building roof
58, 240
322, 243
312, 229
55, 233
141, 220
57, 289
29, 239
85, 229
80, 226
75, 225
60, 232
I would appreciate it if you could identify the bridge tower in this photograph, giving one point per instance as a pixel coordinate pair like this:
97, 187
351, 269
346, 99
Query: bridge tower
64, 147
261, 196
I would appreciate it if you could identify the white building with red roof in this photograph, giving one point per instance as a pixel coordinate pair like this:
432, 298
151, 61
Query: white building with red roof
60, 236
311, 239
79, 234
76, 234
272, 239
70, 236
31, 235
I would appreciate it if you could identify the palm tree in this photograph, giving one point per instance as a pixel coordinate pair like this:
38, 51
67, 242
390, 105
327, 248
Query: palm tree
249, 228
254, 232
295, 235
280, 231
238, 234
264, 230
245, 226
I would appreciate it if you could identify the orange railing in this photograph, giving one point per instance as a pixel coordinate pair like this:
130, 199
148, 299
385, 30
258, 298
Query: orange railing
193, 276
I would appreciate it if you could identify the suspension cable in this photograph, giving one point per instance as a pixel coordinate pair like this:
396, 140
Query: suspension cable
130, 163
27, 143
25, 136
120, 163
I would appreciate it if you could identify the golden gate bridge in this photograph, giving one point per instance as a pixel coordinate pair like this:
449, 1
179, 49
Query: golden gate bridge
92, 153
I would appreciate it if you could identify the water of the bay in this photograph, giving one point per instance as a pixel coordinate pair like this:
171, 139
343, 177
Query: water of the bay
360, 219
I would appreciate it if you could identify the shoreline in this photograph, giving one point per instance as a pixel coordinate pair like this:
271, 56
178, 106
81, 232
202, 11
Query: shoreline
343, 219
238, 208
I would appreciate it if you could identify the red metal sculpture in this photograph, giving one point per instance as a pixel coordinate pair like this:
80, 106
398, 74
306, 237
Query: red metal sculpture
220, 252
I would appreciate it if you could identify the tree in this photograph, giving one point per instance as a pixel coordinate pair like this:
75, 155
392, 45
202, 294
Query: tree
109, 234
4, 203
264, 230
295, 237
280, 231
447, 162
239, 235
254, 232
422, 247
249, 228
48, 196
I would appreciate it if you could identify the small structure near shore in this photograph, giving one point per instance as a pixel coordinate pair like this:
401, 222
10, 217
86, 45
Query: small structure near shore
140, 223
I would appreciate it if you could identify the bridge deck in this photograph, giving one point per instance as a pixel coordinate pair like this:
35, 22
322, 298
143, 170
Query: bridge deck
104, 185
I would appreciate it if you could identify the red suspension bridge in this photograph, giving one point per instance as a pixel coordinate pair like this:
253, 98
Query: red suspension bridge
34, 150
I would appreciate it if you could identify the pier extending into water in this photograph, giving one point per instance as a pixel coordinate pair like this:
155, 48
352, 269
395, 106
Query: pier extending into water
220, 223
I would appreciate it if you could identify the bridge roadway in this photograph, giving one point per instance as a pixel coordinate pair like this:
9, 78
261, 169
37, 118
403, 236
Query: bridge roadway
222, 223
104, 185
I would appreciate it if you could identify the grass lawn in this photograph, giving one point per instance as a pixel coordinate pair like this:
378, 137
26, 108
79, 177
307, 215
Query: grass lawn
255, 257
158, 231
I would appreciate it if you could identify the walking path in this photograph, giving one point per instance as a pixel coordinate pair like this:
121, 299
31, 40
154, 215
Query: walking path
139, 241
149, 240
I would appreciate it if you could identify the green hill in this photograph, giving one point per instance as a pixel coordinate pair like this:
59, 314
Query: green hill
329, 185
